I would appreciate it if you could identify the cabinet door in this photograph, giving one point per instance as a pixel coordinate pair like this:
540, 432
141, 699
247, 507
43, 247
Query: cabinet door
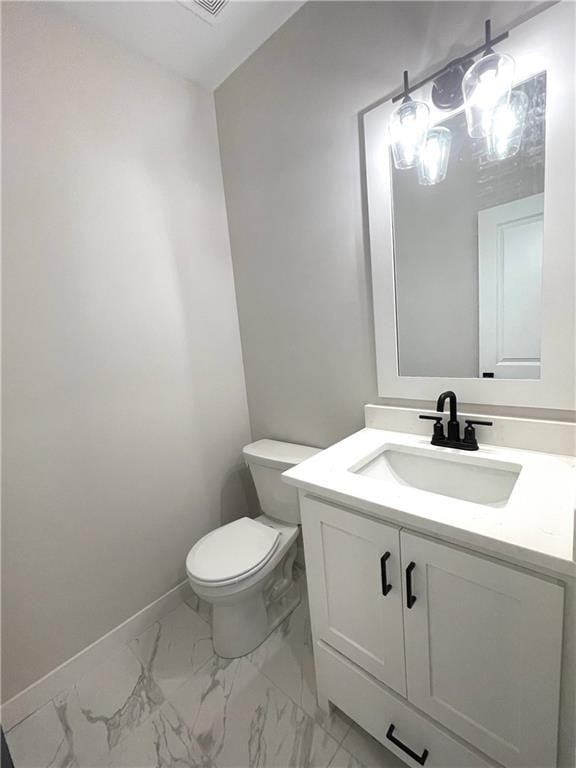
355, 587
483, 651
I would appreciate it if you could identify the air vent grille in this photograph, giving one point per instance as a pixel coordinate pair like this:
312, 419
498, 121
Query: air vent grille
213, 7
208, 10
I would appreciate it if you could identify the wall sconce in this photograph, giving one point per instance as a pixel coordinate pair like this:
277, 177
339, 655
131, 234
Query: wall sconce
447, 88
433, 156
486, 86
483, 87
507, 127
407, 130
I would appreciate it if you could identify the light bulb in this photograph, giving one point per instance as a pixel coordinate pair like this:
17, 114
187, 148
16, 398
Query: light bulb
434, 155
486, 86
507, 127
407, 131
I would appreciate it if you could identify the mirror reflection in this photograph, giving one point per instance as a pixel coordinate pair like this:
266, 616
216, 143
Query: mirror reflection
468, 250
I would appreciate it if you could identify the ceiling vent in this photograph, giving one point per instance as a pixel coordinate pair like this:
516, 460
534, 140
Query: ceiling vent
208, 10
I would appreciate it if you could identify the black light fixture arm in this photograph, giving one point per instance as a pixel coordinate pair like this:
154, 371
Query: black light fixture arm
485, 48
407, 89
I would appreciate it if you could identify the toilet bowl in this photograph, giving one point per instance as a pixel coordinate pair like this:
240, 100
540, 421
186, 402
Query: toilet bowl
245, 568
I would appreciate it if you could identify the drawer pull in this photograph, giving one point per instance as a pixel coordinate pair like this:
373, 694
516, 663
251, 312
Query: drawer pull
420, 759
386, 587
410, 598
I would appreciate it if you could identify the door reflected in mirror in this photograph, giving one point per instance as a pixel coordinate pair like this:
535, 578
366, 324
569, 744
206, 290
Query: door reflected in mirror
468, 255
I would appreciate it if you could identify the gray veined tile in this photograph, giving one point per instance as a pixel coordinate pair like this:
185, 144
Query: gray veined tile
240, 718
202, 608
39, 741
343, 759
280, 655
369, 752
106, 705
202, 702
163, 741
286, 658
175, 647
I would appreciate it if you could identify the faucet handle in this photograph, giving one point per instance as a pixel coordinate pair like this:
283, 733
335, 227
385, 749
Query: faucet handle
438, 433
470, 432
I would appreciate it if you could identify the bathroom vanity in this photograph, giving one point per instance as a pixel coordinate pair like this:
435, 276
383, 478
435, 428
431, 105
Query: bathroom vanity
442, 579
442, 597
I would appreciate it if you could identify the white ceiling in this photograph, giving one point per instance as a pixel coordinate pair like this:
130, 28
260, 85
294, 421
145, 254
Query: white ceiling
174, 36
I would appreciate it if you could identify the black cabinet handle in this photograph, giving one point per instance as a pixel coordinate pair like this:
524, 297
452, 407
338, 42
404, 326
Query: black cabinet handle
410, 598
386, 587
420, 759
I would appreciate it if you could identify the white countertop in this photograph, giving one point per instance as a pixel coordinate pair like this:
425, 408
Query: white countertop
535, 527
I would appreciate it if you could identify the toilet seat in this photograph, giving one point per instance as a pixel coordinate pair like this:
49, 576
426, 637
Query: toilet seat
232, 553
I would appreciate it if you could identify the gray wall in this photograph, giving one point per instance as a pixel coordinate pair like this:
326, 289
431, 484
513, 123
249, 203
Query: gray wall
291, 155
124, 399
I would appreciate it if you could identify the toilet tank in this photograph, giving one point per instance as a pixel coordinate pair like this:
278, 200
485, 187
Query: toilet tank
267, 459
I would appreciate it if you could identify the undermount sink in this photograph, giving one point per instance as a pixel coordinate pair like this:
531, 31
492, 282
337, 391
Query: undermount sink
475, 479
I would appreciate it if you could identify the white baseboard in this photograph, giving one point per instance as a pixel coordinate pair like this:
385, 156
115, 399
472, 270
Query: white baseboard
42, 691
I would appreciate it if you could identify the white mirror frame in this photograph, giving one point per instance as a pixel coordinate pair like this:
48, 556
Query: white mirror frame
545, 43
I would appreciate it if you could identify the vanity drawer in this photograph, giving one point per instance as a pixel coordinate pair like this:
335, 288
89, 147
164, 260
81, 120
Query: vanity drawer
375, 710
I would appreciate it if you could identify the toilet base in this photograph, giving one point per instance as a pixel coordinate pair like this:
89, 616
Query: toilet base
246, 611
240, 628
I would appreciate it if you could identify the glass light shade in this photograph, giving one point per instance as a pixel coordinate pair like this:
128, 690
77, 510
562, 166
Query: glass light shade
434, 155
485, 86
407, 131
507, 127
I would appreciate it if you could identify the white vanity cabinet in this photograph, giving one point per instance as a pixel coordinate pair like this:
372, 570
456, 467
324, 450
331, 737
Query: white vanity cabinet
461, 650
483, 651
357, 579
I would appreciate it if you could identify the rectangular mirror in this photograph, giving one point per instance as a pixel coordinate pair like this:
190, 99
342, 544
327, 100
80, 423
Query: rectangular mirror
473, 276
468, 256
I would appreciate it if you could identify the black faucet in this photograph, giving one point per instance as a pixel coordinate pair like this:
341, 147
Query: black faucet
453, 424
452, 440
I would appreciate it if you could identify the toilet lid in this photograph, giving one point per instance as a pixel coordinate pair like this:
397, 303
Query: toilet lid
231, 551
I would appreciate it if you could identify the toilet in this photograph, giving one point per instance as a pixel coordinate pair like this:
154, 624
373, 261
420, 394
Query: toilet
245, 568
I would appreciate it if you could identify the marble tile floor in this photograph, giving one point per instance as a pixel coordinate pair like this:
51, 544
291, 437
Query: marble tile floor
166, 700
